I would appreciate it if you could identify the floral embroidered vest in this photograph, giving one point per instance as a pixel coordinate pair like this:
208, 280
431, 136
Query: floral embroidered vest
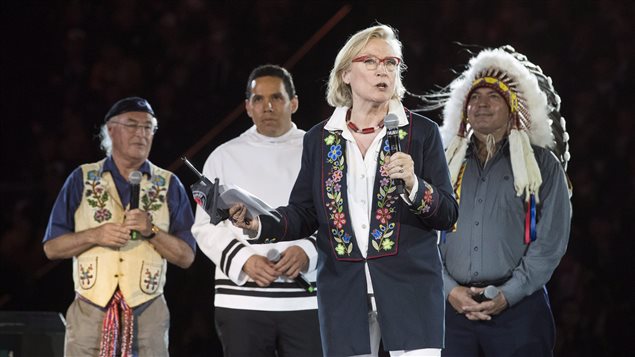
136, 268
385, 212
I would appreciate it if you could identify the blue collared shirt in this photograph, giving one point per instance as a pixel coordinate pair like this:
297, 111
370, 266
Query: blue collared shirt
489, 245
62, 219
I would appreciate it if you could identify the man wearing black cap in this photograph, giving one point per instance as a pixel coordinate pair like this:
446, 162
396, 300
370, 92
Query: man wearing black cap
120, 253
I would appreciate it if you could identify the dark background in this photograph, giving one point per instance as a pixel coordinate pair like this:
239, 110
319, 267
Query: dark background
63, 63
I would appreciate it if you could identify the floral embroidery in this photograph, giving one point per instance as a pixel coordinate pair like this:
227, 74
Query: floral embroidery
335, 151
339, 219
151, 280
334, 194
341, 248
386, 206
97, 196
102, 215
426, 200
92, 175
381, 237
154, 197
383, 215
86, 276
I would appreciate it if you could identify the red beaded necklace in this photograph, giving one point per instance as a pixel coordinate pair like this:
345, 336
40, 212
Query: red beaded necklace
355, 129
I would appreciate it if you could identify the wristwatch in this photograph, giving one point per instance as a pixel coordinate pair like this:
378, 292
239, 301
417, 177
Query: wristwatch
155, 230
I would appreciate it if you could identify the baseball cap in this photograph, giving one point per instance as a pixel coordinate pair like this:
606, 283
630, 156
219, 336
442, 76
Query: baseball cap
129, 104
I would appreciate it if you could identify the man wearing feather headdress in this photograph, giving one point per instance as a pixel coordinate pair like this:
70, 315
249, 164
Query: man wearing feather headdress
507, 149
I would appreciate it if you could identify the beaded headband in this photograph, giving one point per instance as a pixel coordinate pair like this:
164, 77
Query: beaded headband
534, 105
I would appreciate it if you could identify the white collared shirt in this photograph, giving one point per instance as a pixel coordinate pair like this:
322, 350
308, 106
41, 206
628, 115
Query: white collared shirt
360, 175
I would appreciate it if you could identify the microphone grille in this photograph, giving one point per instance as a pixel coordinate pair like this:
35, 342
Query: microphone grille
391, 121
273, 255
490, 292
135, 177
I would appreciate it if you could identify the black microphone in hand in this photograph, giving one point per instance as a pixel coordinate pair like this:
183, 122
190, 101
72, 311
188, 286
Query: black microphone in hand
489, 293
274, 255
391, 122
135, 179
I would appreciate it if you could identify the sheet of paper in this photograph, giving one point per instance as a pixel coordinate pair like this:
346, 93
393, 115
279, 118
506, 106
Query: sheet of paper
232, 194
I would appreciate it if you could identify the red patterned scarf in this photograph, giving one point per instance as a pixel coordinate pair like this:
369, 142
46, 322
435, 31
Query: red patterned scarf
110, 329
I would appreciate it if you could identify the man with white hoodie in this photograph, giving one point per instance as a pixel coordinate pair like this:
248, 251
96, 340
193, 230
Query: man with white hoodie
259, 309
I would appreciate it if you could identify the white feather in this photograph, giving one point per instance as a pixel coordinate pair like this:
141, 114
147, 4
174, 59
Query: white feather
539, 132
521, 182
456, 157
534, 178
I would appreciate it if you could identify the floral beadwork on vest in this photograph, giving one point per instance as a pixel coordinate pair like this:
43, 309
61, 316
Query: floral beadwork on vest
153, 197
87, 275
151, 280
97, 196
385, 218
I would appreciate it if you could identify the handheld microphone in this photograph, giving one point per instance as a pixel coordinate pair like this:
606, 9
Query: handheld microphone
274, 255
489, 293
135, 179
391, 122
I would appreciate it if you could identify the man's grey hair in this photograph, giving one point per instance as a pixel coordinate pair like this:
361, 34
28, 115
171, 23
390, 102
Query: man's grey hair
105, 143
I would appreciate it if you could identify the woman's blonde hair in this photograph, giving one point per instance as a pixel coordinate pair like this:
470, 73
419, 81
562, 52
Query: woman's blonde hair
338, 93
